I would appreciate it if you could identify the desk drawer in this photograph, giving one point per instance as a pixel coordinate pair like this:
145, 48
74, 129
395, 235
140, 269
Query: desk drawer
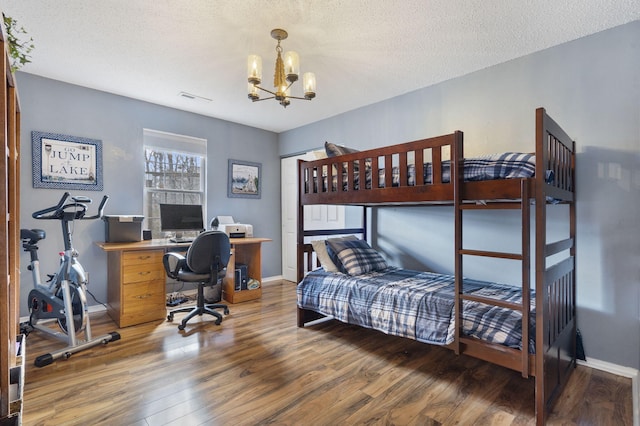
137, 273
143, 297
142, 257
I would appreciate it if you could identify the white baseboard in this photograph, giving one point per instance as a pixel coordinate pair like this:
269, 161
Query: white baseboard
619, 370
266, 280
97, 308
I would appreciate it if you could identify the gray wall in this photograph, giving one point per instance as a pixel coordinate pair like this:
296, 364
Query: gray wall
591, 86
52, 106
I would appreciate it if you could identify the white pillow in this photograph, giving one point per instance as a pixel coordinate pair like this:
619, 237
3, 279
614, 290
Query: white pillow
320, 247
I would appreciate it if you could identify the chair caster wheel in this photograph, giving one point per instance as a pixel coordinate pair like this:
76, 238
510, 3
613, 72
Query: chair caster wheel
218, 321
226, 311
169, 318
181, 327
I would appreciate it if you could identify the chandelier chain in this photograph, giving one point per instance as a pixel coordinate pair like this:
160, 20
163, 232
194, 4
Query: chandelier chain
279, 76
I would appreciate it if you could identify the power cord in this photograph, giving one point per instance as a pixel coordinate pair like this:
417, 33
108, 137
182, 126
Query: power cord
176, 298
94, 298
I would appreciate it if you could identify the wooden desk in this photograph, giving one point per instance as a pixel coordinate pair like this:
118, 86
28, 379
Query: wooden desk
136, 290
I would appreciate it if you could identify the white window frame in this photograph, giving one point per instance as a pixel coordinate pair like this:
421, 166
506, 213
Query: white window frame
178, 144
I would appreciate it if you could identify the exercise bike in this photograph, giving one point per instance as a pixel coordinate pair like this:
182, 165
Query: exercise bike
64, 298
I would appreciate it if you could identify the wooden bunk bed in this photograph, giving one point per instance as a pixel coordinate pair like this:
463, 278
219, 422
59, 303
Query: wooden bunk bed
551, 357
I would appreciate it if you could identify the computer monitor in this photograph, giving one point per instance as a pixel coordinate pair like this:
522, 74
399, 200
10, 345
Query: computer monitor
179, 218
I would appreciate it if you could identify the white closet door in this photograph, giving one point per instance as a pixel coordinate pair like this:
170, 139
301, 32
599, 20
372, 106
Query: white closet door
316, 217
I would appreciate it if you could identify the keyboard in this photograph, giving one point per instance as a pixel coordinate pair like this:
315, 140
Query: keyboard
181, 240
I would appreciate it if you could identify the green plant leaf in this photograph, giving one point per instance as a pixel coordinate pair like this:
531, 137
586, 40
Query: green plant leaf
19, 47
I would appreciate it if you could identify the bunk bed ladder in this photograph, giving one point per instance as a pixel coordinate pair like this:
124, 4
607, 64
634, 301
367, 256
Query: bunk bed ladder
520, 363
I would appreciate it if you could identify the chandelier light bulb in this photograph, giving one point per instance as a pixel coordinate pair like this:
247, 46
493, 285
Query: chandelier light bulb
254, 69
291, 66
309, 84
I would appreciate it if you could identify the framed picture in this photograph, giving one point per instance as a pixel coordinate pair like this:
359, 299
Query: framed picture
244, 179
66, 162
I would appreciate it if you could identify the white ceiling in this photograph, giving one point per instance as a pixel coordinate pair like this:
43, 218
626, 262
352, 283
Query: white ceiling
362, 51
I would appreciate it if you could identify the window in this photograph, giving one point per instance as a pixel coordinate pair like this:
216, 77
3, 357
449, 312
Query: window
174, 167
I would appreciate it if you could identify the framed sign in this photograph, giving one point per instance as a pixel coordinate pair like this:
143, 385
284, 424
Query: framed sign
244, 179
66, 162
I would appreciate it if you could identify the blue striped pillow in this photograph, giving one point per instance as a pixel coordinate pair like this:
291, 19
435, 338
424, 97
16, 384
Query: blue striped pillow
357, 257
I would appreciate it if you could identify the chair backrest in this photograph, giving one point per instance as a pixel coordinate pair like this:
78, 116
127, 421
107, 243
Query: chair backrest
209, 251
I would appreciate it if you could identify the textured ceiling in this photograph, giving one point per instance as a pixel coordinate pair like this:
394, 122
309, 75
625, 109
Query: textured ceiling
362, 51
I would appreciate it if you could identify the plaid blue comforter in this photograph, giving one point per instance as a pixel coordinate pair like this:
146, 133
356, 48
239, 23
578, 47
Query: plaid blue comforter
507, 165
416, 305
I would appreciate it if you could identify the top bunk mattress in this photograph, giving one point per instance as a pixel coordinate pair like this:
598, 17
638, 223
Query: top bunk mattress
508, 165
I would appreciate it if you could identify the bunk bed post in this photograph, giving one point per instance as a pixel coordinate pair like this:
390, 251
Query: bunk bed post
457, 178
542, 327
555, 285
572, 251
364, 223
526, 273
300, 236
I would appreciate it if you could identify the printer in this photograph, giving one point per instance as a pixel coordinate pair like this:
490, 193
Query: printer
229, 226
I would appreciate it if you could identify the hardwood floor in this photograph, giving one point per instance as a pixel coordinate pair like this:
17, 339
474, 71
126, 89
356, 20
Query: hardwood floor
258, 367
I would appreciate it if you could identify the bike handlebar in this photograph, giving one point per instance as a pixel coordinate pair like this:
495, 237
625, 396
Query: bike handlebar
77, 201
100, 209
40, 213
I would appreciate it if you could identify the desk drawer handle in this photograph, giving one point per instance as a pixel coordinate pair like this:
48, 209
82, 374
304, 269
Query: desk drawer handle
143, 296
144, 273
144, 257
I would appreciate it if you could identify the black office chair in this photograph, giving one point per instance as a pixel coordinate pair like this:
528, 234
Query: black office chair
205, 263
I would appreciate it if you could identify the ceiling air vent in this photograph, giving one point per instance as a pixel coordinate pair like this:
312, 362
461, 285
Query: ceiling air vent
191, 96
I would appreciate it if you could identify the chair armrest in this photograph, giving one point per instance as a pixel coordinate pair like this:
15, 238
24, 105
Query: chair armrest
173, 263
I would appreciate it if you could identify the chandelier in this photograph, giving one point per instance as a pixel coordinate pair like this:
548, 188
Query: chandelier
286, 73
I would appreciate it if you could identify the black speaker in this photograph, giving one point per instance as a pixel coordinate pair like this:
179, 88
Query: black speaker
241, 277
146, 234
237, 280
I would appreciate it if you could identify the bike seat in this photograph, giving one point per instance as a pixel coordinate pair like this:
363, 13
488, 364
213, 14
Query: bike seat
81, 199
34, 235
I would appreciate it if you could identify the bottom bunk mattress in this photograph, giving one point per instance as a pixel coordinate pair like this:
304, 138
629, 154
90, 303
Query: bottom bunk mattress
416, 305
